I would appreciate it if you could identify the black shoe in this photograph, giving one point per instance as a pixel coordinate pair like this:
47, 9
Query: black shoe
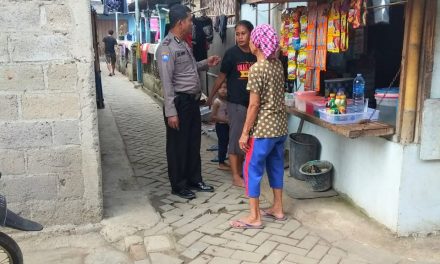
185, 194
202, 187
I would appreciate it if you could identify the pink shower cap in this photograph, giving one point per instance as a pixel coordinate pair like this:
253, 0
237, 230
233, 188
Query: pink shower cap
266, 39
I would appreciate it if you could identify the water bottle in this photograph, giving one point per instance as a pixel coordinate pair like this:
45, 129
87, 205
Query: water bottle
358, 93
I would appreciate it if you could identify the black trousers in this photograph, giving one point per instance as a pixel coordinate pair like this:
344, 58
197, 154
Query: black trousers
183, 145
222, 131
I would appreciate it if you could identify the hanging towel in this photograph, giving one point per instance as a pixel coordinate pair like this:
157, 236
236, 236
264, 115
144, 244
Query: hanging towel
222, 27
217, 23
144, 53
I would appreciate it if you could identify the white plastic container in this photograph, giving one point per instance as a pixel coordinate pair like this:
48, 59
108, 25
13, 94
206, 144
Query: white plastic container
351, 118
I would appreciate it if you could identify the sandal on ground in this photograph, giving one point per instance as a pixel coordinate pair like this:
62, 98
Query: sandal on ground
266, 214
240, 224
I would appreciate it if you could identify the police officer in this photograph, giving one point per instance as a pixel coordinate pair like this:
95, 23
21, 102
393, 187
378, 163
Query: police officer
181, 89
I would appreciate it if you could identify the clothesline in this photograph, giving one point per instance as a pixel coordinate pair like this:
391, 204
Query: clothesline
228, 15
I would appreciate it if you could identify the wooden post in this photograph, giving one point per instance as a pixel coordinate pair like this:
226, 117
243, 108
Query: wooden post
426, 62
411, 57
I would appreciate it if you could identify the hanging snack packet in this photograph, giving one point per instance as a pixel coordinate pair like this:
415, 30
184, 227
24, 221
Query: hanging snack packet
344, 24
354, 15
303, 24
292, 65
334, 27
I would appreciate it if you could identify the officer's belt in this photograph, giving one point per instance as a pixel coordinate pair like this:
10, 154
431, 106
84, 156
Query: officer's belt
195, 97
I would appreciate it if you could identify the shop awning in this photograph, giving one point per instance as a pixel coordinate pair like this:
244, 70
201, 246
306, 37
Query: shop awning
371, 129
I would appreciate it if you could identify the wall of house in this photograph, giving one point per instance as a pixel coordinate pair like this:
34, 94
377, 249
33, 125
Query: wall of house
419, 207
49, 145
129, 18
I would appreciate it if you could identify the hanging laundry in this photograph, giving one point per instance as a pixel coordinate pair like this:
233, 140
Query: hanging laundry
144, 53
217, 24
203, 34
154, 24
222, 27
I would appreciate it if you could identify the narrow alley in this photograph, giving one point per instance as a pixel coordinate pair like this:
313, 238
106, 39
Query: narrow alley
198, 230
200, 227
143, 223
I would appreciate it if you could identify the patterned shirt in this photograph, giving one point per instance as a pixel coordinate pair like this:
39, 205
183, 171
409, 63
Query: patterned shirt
266, 78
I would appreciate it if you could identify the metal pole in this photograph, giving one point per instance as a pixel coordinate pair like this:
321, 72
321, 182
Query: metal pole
117, 24
139, 42
147, 27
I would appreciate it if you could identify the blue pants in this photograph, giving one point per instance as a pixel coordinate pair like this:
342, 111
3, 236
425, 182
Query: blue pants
264, 153
222, 131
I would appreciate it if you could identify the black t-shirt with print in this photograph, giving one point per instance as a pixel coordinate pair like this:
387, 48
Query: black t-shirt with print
235, 65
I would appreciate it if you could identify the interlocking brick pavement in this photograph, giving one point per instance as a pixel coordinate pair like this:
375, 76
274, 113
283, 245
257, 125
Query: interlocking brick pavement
200, 226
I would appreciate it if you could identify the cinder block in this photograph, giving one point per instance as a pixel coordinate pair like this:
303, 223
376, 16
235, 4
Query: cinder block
19, 16
66, 132
8, 107
12, 162
133, 240
37, 47
54, 160
25, 188
137, 252
53, 106
157, 243
70, 185
24, 135
62, 77
21, 77
4, 55
57, 17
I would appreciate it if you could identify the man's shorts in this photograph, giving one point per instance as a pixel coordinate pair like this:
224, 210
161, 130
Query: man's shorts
237, 117
110, 58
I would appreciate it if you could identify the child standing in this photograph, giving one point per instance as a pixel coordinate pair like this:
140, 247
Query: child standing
220, 117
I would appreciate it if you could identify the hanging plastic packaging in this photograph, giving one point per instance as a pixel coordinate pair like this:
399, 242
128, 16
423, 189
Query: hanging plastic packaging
381, 14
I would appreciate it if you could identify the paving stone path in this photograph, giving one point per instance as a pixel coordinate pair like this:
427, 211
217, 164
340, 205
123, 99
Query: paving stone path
197, 231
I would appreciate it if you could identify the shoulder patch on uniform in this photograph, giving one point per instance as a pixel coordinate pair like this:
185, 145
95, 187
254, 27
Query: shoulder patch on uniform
166, 42
165, 56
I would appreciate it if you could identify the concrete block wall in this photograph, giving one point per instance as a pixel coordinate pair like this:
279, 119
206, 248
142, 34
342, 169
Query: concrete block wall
49, 144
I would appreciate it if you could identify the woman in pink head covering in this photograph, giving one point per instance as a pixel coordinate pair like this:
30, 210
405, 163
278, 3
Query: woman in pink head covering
265, 128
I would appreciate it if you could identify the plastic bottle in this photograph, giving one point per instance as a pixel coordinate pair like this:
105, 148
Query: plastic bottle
358, 93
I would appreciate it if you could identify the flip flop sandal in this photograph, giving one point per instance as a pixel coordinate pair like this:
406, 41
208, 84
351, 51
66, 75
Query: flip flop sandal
265, 213
239, 224
212, 148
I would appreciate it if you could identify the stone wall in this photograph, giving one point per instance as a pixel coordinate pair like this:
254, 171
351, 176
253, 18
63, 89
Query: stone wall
49, 144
